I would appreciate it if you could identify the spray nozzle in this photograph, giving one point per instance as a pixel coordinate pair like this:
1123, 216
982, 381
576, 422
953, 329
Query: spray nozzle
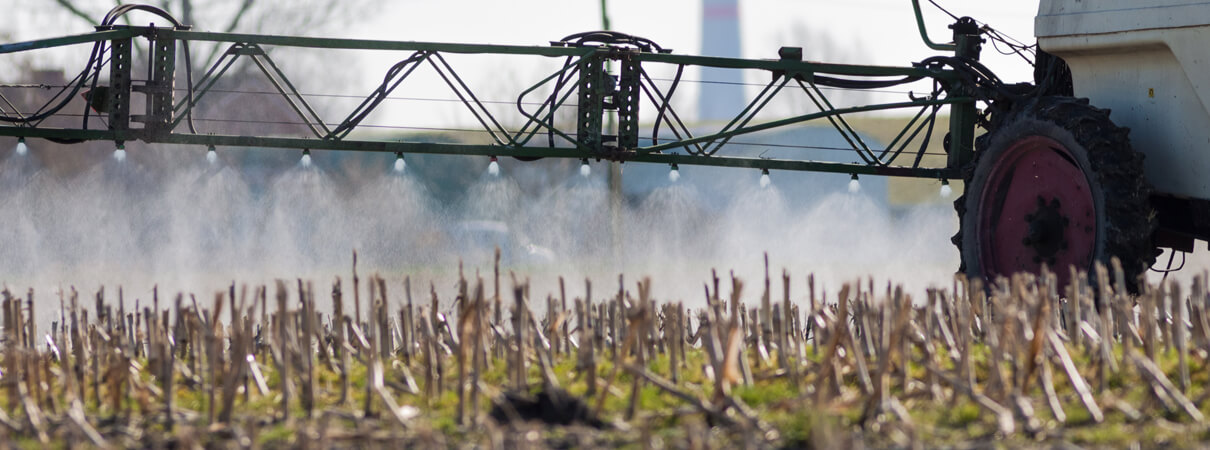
400, 164
493, 167
854, 185
585, 170
946, 190
765, 181
674, 173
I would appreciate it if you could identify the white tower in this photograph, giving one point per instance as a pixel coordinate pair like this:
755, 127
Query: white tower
722, 95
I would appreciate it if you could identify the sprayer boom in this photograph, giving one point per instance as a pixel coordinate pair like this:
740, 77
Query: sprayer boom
602, 76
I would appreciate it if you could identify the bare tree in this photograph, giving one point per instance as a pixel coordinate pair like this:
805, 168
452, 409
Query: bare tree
244, 16
311, 17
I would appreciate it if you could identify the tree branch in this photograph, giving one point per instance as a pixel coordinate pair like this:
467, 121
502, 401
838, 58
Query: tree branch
235, 19
71, 8
239, 14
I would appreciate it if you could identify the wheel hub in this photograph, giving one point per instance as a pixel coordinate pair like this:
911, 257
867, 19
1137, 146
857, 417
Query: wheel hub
1037, 208
1047, 227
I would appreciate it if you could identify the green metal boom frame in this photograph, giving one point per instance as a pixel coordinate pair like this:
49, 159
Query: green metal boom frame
584, 76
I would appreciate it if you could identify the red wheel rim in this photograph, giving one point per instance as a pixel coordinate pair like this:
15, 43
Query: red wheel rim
1037, 207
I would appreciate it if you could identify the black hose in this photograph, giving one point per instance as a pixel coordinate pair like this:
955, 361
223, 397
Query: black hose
75, 88
118, 11
92, 70
842, 83
189, 82
676, 81
375, 98
612, 38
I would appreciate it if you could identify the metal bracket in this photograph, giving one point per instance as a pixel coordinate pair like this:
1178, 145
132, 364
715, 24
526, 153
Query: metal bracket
593, 86
961, 139
601, 92
626, 99
119, 85
159, 88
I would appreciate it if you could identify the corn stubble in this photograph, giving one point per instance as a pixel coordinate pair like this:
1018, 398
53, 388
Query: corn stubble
1027, 361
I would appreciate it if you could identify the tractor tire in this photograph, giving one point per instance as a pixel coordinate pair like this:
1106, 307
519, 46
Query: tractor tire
1055, 182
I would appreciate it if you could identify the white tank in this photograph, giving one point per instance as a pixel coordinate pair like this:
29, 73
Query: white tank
1148, 61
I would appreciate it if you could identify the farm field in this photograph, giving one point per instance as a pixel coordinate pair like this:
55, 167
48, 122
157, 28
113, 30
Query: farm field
773, 363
